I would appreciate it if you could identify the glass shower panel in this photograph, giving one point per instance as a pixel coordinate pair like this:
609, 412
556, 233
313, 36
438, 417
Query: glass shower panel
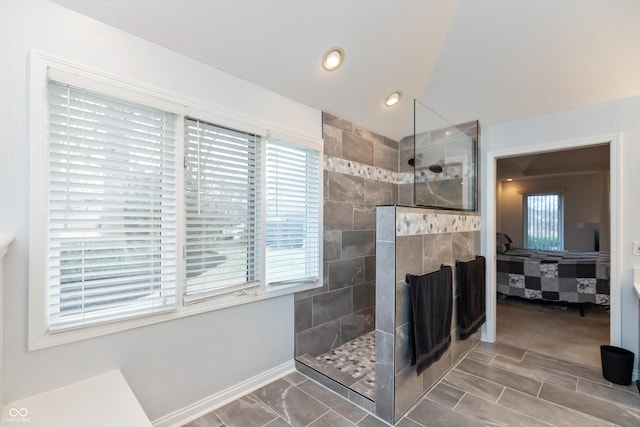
445, 161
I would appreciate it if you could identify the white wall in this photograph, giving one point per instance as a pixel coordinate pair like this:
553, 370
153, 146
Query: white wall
168, 365
619, 117
582, 195
5, 241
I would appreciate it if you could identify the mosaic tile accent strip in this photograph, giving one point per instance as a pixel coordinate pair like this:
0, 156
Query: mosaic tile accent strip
405, 178
348, 167
411, 224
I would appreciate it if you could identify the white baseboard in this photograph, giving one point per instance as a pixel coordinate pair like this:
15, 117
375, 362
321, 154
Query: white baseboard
195, 410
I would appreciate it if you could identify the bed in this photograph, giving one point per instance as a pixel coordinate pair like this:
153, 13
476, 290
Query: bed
562, 276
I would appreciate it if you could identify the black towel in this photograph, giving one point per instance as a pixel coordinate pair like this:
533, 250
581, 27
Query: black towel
430, 320
471, 299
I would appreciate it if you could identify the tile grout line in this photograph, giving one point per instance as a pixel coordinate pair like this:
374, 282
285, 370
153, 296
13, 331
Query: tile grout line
317, 400
459, 400
504, 388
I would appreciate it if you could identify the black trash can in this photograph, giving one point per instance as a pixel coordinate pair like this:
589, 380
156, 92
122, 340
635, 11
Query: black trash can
617, 364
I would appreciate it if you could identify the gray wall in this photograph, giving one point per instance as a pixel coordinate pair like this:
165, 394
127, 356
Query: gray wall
415, 241
360, 172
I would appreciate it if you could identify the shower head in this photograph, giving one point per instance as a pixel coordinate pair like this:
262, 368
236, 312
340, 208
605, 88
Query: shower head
435, 168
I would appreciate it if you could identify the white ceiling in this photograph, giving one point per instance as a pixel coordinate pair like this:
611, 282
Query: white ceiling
491, 60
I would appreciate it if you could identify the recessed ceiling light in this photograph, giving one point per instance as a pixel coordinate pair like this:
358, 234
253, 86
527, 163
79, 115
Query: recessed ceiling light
393, 98
510, 179
333, 58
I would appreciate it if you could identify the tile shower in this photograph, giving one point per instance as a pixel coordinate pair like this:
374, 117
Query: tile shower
355, 326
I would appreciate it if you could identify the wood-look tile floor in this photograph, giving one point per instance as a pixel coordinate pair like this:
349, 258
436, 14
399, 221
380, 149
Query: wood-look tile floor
494, 385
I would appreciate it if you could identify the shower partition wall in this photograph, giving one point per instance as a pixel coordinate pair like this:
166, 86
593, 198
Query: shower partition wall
414, 241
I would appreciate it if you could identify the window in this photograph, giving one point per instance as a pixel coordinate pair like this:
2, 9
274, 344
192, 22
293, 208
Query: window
543, 221
225, 213
292, 219
141, 213
222, 206
112, 208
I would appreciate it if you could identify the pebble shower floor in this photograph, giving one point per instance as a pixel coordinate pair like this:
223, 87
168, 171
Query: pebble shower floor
356, 358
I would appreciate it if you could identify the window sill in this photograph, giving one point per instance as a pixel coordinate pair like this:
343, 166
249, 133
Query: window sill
42, 340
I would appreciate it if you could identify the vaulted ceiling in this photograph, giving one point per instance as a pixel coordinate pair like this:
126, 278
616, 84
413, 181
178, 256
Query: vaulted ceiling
491, 60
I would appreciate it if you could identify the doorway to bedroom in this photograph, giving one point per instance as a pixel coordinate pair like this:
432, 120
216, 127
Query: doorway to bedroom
553, 252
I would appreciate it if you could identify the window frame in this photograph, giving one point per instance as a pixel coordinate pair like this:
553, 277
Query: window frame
525, 215
42, 67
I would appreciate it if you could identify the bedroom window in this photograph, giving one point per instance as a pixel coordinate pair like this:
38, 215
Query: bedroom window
543, 221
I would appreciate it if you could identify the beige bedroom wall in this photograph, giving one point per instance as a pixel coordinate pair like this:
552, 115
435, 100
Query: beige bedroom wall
583, 203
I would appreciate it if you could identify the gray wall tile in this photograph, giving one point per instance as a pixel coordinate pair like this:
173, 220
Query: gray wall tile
345, 188
316, 291
332, 140
332, 305
357, 149
364, 295
403, 352
408, 256
332, 246
356, 324
463, 245
367, 134
385, 157
302, 313
386, 224
437, 250
325, 183
338, 216
385, 286
358, 244
385, 378
403, 160
378, 192
390, 142
436, 371
345, 273
318, 340
336, 122
370, 268
405, 194
408, 389
364, 217
403, 302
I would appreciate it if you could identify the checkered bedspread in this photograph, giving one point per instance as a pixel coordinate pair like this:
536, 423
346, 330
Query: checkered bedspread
554, 275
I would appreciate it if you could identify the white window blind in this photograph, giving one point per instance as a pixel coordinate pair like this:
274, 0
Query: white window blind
112, 209
292, 214
221, 210
544, 221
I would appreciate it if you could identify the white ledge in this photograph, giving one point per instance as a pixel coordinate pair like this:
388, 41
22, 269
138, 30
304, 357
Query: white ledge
636, 280
102, 401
